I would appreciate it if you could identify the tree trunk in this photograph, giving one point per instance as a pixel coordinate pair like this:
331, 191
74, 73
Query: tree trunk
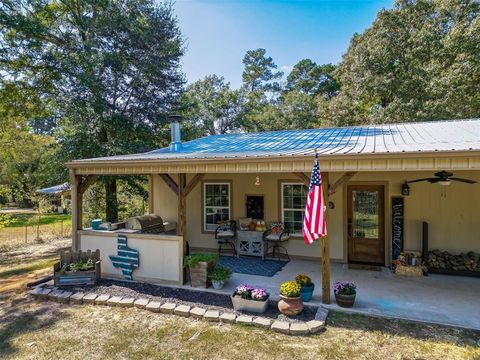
111, 203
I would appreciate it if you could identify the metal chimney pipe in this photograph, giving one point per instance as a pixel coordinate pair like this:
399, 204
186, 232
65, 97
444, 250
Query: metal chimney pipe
176, 143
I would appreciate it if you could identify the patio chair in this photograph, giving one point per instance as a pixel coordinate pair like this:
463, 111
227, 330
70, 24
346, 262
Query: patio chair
274, 238
226, 235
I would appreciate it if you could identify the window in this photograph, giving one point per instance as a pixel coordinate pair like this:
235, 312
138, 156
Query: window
216, 204
294, 198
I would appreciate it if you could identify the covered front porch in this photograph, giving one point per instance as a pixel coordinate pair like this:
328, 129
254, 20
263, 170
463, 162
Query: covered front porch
440, 299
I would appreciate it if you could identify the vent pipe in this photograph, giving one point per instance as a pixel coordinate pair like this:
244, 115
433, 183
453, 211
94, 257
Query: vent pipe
176, 143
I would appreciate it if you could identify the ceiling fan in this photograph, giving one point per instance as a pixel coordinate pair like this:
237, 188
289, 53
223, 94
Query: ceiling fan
443, 178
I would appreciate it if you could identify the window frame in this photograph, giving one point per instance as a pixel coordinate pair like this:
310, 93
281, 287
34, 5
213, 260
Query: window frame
204, 206
282, 208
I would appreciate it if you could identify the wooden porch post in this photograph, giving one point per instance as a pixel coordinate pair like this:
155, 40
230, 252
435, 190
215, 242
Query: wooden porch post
75, 181
182, 203
325, 248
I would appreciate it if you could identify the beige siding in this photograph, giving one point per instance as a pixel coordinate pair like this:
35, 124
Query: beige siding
452, 212
160, 255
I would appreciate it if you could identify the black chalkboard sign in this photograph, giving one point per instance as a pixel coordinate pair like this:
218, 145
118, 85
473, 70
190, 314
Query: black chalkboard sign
397, 226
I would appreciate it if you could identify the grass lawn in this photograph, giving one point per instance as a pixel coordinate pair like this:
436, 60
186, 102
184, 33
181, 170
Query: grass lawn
34, 219
32, 329
46, 330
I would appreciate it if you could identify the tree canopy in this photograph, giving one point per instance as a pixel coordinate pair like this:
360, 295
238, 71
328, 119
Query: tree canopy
111, 68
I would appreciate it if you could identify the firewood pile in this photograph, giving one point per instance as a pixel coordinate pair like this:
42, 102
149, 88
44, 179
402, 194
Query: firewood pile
444, 260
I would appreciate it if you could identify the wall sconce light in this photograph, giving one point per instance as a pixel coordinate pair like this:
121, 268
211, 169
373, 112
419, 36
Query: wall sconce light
405, 189
257, 181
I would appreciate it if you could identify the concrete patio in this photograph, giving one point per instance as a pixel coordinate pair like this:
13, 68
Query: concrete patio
441, 299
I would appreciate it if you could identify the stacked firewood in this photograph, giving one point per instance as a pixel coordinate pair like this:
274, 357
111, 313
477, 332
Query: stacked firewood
444, 260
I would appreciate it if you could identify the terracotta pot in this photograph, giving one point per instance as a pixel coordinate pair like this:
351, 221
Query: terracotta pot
290, 306
346, 301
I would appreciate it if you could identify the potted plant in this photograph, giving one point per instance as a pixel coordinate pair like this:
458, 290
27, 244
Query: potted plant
251, 299
290, 302
200, 265
345, 293
306, 287
219, 276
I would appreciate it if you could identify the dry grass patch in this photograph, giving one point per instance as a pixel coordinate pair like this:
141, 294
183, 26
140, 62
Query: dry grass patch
45, 330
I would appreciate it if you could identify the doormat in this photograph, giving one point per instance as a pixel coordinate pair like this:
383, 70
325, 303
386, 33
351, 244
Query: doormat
252, 266
364, 267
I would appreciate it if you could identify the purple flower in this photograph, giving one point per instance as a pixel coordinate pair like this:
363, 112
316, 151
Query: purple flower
259, 294
344, 288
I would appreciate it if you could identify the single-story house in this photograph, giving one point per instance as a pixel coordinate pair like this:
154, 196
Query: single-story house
373, 211
58, 196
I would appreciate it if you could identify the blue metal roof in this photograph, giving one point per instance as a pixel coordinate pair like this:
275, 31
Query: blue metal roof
433, 136
57, 189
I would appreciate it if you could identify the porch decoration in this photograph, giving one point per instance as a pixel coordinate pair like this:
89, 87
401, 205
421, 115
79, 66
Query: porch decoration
409, 263
127, 259
200, 265
306, 287
290, 302
77, 268
345, 293
219, 276
251, 299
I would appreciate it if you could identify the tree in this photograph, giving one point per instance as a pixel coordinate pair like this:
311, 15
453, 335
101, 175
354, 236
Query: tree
260, 74
210, 107
418, 61
110, 66
309, 78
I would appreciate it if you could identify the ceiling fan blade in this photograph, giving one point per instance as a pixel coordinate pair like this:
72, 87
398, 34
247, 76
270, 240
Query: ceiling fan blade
463, 180
425, 179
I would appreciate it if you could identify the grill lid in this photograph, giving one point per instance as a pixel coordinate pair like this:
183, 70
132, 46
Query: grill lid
145, 222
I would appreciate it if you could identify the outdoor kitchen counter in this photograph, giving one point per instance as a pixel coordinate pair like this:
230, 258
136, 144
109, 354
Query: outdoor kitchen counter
160, 255
128, 232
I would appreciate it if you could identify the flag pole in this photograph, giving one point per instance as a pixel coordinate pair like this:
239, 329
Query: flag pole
325, 244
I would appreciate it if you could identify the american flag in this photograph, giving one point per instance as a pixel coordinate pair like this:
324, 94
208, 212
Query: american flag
314, 224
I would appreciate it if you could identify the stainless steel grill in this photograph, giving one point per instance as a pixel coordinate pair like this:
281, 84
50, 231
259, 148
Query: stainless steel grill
147, 224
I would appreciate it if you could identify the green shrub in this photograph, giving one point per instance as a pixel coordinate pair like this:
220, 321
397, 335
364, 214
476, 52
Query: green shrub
220, 273
290, 289
196, 258
303, 280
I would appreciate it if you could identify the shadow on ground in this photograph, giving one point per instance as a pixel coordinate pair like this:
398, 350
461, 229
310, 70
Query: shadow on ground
19, 316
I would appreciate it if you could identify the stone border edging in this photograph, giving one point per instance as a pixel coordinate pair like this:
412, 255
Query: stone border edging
284, 327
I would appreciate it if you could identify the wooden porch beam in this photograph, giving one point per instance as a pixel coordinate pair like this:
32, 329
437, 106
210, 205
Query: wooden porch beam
344, 179
191, 185
76, 198
326, 248
87, 182
305, 178
170, 182
182, 209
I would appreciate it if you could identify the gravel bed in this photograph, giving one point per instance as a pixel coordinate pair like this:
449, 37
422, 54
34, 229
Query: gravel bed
205, 299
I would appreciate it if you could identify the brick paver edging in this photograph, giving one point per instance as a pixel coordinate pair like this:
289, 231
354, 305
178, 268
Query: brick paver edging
297, 328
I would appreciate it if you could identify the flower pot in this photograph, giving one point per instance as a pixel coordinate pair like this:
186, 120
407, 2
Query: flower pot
346, 301
290, 306
255, 306
199, 274
306, 292
218, 284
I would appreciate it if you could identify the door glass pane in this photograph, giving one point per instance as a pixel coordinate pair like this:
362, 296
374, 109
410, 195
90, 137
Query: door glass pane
365, 214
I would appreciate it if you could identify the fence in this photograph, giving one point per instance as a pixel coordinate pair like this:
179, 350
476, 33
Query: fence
32, 233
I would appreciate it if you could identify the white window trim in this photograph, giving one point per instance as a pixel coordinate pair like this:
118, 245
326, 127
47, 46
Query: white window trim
282, 210
215, 207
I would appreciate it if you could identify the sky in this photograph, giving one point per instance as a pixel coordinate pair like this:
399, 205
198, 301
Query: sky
219, 32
